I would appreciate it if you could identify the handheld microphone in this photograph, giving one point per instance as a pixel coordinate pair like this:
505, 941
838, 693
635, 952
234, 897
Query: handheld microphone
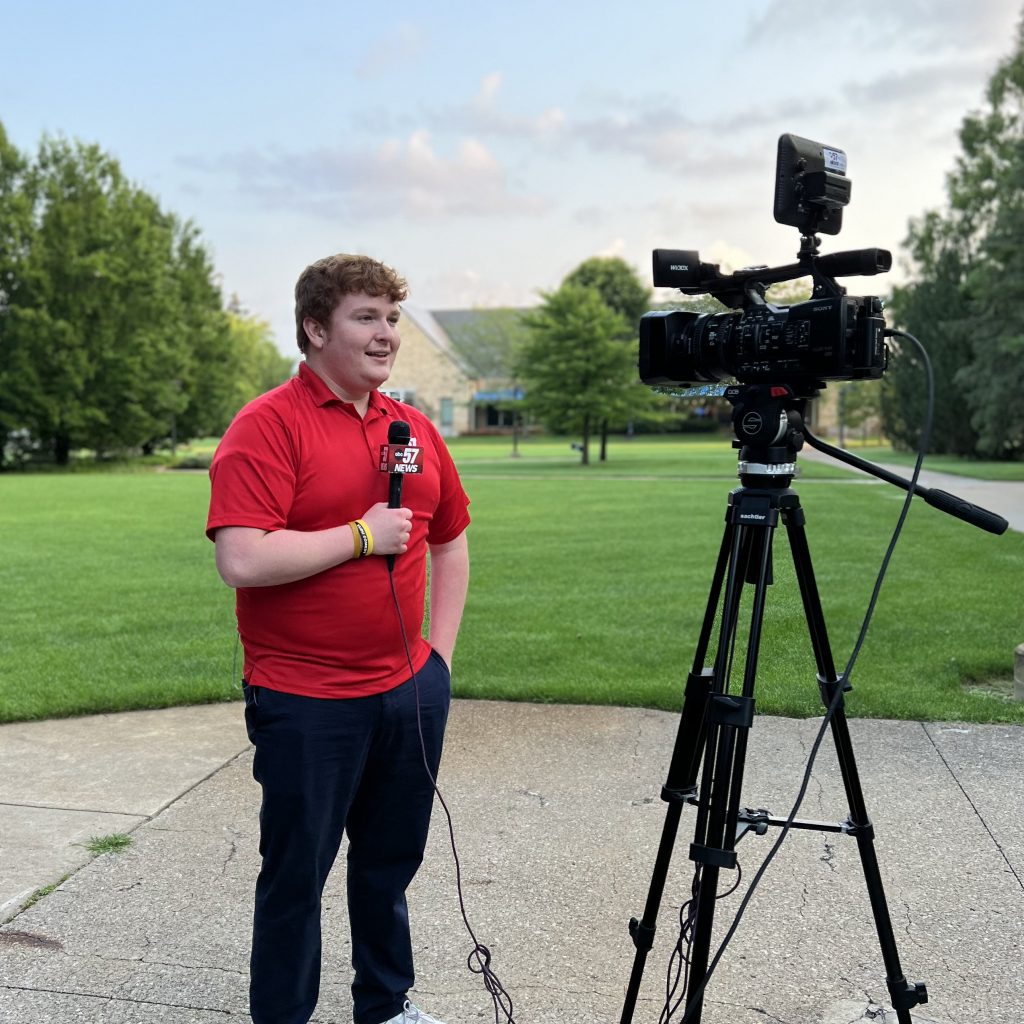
399, 434
396, 459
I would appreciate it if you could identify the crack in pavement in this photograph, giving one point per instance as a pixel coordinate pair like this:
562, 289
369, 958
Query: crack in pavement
974, 806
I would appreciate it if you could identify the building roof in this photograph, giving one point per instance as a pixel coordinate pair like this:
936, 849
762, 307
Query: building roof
436, 334
485, 338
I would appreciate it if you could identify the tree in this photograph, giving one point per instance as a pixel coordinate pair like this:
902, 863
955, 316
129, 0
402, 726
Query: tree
622, 292
261, 365
617, 284
967, 302
92, 342
15, 233
935, 309
576, 371
207, 384
858, 402
988, 187
113, 334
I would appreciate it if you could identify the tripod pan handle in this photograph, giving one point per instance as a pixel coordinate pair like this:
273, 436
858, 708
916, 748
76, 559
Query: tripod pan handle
973, 514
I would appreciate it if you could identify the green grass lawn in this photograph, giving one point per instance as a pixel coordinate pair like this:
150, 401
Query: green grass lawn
110, 596
589, 585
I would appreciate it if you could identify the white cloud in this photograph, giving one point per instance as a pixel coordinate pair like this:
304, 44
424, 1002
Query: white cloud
466, 288
926, 84
482, 115
616, 247
402, 177
489, 87
933, 25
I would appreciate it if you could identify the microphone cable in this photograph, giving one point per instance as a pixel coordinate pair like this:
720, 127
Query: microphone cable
678, 973
840, 687
479, 959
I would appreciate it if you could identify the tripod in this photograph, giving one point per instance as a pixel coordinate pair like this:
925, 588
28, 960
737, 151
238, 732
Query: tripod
714, 725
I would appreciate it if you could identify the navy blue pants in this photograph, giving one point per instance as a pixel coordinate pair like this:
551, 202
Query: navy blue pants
329, 767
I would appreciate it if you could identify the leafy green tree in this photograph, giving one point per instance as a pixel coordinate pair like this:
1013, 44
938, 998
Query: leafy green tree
858, 402
988, 187
575, 368
113, 333
207, 382
967, 301
15, 234
618, 285
92, 342
622, 291
936, 310
262, 365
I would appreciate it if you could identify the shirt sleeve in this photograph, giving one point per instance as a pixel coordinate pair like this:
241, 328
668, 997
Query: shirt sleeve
253, 473
452, 514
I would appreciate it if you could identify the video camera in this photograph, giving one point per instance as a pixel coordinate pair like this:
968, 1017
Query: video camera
832, 336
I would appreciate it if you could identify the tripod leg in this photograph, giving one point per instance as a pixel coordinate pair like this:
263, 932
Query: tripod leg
686, 753
730, 719
681, 782
901, 992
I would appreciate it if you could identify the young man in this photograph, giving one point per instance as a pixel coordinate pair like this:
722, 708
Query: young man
338, 680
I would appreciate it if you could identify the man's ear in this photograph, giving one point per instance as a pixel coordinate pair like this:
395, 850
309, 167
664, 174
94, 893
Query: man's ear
314, 332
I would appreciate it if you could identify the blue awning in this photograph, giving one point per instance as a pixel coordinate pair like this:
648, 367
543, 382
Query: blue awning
502, 395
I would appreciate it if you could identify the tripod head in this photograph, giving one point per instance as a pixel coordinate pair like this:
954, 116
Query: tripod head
768, 421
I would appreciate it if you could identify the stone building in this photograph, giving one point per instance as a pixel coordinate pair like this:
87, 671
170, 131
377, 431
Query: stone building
462, 386
430, 375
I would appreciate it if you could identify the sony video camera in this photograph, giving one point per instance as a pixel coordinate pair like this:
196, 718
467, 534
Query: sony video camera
832, 336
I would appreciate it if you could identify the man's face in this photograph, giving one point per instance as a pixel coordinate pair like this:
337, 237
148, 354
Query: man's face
356, 349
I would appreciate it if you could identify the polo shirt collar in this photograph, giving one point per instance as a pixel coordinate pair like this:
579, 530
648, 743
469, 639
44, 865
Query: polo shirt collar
322, 394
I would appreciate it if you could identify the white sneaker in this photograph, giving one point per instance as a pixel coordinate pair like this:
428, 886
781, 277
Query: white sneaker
413, 1015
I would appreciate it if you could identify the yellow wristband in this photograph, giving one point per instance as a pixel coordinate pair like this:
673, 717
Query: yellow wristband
357, 541
365, 538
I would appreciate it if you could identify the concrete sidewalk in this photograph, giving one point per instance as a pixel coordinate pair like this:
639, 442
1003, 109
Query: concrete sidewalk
557, 821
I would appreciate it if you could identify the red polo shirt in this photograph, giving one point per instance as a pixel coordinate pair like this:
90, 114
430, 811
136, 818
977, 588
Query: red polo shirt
299, 458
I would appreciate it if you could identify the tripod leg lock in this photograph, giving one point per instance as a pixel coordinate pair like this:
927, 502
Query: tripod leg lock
906, 996
642, 935
714, 857
737, 712
698, 684
828, 689
679, 796
859, 830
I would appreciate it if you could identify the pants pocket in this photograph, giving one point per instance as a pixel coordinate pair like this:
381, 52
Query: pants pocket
251, 696
440, 661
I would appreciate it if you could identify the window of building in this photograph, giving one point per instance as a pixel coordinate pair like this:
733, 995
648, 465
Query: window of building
407, 395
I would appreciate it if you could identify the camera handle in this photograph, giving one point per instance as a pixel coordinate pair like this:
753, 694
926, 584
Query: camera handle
714, 725
682, 269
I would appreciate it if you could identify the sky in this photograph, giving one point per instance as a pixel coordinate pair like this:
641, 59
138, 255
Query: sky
486, 150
